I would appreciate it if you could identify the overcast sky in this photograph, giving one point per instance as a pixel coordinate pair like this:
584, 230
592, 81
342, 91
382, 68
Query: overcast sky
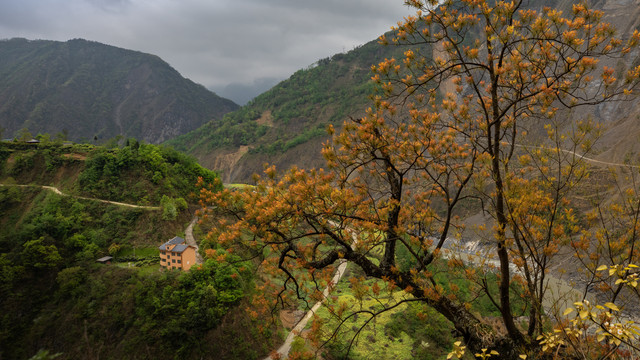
226, 45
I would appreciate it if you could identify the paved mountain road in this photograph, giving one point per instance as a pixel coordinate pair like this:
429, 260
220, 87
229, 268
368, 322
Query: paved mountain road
191, 240
283, 351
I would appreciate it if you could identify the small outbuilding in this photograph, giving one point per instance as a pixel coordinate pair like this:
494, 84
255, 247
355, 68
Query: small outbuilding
105, 260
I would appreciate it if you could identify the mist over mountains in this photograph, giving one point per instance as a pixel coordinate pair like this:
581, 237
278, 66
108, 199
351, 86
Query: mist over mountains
242, 93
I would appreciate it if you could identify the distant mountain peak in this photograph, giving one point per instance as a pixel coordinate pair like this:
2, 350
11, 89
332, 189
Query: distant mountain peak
94, 90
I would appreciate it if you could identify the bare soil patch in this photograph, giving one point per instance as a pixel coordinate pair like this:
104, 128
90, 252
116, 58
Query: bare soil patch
225, 162
290, 318
265, 119
11, 160
75, 156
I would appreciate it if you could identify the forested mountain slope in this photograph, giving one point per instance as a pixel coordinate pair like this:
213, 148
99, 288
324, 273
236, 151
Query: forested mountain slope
286, 125
87, 90
57, 298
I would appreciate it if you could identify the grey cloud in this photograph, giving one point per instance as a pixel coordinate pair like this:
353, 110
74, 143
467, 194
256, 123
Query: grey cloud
212, 42
110, 5
242, 93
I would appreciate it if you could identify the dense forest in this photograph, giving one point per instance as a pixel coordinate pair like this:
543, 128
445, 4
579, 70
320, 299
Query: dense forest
58, 299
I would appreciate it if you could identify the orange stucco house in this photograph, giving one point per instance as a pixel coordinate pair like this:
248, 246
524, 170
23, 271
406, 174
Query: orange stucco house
176, 254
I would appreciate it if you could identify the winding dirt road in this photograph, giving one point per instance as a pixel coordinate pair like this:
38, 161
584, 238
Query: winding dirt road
593, 161
188, 233
57, 191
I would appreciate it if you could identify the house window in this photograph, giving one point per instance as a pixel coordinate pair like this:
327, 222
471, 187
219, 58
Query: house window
179, 262
173, 261
163, 252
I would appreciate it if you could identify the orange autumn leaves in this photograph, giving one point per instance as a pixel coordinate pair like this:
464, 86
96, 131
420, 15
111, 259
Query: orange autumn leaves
536, 58
444, 133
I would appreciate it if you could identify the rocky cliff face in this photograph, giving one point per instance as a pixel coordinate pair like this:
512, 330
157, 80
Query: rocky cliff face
93, 90
621, 120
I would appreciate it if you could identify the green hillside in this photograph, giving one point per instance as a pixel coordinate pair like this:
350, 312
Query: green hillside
138, 173
57, 298
287, 124
87, 90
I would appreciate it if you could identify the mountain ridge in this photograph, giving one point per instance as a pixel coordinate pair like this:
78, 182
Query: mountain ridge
89, 90
303, 105
287, 124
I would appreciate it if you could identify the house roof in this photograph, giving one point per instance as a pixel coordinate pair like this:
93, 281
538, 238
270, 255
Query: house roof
180, 248
175, 241
105, 259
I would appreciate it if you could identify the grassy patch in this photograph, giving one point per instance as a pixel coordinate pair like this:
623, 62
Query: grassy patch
148, 269
407, 331
139, 251
238, 186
